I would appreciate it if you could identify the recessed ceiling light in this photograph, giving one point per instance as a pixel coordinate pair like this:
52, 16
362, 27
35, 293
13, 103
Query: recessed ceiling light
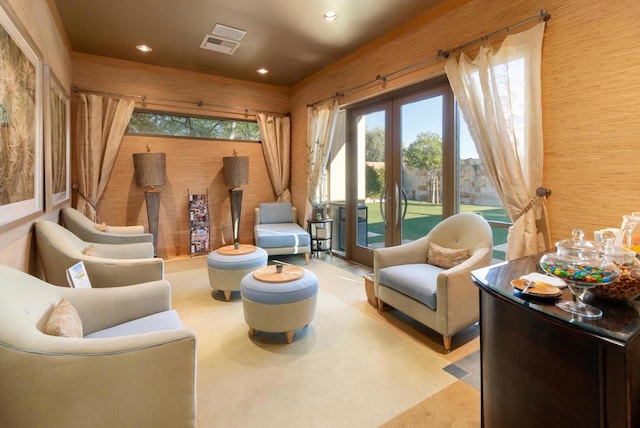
144, 48
330, 16
262, 70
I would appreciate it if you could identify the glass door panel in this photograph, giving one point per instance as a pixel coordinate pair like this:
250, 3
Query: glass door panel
418, 195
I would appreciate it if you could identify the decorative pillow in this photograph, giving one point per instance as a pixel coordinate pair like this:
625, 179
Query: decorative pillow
64, 321
102, 227
446, 257
89, 251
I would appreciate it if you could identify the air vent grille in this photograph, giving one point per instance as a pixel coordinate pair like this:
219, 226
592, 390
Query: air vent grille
218, 44
228, 33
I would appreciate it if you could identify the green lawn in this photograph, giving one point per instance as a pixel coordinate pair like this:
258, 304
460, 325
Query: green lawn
422, 216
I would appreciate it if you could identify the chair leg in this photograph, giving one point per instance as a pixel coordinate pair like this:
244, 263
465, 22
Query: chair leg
307, 256
252, 331
289, 335
227, 295
380, 304
447, 343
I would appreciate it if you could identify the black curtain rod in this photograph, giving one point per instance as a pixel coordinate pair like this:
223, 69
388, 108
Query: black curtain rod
542, 15
144, 99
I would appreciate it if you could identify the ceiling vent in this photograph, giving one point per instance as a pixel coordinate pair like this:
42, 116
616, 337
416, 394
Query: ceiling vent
218, 44
228, 33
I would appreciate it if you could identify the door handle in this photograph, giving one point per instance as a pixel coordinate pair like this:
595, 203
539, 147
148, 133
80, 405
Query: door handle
404, 197
397, 203
383, 197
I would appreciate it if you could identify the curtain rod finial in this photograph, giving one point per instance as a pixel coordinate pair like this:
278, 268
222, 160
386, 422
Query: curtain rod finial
544, 15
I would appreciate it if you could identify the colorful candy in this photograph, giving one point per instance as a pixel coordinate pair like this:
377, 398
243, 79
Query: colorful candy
580, 272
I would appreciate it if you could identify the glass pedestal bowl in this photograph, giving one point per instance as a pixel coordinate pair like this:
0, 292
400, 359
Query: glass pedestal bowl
581, 265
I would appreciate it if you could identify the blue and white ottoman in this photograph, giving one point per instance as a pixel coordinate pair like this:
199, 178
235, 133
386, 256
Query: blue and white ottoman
279, 302
228, 265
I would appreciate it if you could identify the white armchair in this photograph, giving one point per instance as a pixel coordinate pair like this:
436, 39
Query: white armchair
442, 298
146, 378
89, 231
108, 265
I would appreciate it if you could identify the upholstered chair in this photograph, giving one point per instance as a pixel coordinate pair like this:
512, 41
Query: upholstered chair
276, 229
429, 279
108, 357
107, 265
89, 231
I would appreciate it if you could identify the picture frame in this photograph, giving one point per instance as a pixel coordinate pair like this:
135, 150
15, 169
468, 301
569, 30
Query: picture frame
57, 141
21, 172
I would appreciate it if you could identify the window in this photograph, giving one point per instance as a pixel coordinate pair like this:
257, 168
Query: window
174, 125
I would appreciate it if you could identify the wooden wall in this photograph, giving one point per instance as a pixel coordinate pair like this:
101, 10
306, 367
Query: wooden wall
590, 99
192, 165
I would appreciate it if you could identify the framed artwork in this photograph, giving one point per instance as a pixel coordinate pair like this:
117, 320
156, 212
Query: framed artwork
57, 141
21, 169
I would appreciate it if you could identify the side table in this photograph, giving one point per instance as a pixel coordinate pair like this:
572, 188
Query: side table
321, 233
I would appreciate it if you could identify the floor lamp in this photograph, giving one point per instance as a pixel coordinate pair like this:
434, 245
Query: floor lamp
236, 173
150, 170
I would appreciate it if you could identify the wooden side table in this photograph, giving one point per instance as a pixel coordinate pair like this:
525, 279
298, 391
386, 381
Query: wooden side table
321, 233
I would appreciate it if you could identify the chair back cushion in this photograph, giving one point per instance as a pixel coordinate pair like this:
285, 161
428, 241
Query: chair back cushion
276, 212
463, 230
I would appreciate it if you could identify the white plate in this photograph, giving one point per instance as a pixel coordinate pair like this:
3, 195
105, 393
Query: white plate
541, 277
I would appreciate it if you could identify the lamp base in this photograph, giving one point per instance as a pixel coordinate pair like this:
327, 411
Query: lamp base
235, 197
152, 198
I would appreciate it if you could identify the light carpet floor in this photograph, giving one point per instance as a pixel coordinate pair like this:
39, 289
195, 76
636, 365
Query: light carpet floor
346, 369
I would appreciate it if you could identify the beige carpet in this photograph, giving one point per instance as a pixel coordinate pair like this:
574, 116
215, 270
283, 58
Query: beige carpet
349, 368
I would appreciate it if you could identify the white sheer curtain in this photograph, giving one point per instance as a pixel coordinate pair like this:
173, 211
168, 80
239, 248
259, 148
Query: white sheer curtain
100, 126
276, 146
322, 125
499, 95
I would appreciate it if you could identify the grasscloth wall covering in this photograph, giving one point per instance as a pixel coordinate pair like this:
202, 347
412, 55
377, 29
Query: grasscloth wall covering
590, 101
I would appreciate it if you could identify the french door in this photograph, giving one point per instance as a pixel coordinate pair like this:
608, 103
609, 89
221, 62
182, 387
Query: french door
400, 168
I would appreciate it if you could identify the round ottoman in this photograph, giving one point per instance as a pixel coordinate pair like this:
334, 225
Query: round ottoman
276, 307
227, 267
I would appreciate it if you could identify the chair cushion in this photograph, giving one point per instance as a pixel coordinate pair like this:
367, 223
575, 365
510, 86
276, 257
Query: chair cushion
64, 321
276, 212
446, 257
166, 320
418, 281
281, 235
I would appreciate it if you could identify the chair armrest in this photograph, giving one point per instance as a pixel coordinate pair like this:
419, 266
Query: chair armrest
118, 272
126, 230
121, 381
412, 252
106, 307
139, 250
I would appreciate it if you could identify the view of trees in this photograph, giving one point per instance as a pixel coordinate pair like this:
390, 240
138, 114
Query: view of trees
423, 154
189, 126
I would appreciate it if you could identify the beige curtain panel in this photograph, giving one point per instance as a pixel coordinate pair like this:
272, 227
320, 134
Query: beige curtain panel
499, 95
100, 127
276, 146
322, 125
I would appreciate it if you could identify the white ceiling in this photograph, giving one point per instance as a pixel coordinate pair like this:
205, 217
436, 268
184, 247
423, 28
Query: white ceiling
288, 37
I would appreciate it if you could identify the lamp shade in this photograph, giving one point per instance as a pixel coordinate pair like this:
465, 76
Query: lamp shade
150, 169
236, 170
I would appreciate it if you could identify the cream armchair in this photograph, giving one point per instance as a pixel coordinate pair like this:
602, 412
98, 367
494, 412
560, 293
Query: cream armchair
146, 378
108, 265
89, 231
443, 299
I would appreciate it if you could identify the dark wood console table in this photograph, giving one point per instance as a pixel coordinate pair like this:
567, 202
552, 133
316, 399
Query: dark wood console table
543, 367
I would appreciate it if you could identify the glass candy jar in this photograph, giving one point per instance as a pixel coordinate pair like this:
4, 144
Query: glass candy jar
581, 264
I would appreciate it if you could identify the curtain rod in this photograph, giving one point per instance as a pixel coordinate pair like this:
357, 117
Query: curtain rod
542, 15
144, 99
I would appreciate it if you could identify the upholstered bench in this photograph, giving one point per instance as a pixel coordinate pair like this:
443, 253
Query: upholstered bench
227, 266
279, 302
